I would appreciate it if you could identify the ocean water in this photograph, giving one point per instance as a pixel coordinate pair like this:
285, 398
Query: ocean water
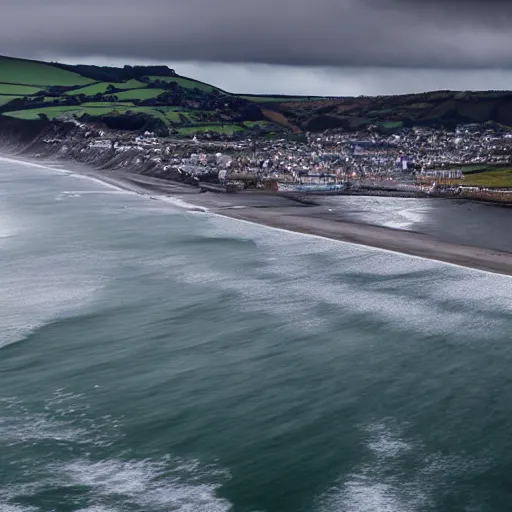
159, 360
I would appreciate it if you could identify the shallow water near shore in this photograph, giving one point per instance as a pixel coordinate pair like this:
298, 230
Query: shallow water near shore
456, 221
158, 360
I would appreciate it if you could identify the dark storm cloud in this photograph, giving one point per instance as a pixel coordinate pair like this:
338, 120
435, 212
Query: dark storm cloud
394, 33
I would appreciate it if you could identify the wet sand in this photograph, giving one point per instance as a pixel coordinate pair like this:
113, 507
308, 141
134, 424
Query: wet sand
406, 242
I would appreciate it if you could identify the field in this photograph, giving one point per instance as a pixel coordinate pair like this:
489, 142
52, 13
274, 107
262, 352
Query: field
484, 175
130, 84
255, 124
7, 99
107, 104
165, 114
392, 124
93, 109
185, 82
139, 94
226, 129
173, 116
51, 112
19, 90
90, 90
495, 178
101, 88
17, 71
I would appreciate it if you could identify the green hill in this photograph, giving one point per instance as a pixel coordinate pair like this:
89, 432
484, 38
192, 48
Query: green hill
160, 99
133, 96
18, 71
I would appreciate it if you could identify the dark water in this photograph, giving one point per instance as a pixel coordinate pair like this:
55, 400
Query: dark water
154, 360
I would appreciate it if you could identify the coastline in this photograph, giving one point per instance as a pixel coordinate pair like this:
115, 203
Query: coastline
283, 213
387, 239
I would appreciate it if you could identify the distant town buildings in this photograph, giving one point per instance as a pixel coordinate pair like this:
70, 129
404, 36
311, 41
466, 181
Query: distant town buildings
408, 157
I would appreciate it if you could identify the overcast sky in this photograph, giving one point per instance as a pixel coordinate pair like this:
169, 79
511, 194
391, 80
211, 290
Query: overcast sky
340, 47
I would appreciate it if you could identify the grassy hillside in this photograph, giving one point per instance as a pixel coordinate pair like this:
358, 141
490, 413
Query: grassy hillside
8, 99
21, 90
155, 97
139, 94
101, 88
171, 103
187, 83
17, 71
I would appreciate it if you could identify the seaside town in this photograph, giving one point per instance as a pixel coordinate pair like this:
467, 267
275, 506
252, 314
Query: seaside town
411, 161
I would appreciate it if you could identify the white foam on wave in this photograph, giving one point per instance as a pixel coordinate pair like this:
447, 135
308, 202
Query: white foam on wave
360, 494
62, 420
33, 164
398, 290
181, 203
5, 507
395, 474
8, 494
374, 486
152, 484
487, 292
97, 508
9, 225
176, 201
386, 442
104, 183
70, 194
94, 192
33, 301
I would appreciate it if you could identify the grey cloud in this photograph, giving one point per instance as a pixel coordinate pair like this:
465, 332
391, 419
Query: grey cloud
391, 33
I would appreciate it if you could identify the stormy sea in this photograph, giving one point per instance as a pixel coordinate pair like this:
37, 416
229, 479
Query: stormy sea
154, 359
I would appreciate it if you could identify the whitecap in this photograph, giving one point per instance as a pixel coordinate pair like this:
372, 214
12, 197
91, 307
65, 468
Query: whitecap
181, 203
149, 484
396, 474
41, 304
157, 484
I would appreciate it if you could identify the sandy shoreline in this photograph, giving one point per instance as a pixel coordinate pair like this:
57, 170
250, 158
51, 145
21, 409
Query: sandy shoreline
283, 213
404, 242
